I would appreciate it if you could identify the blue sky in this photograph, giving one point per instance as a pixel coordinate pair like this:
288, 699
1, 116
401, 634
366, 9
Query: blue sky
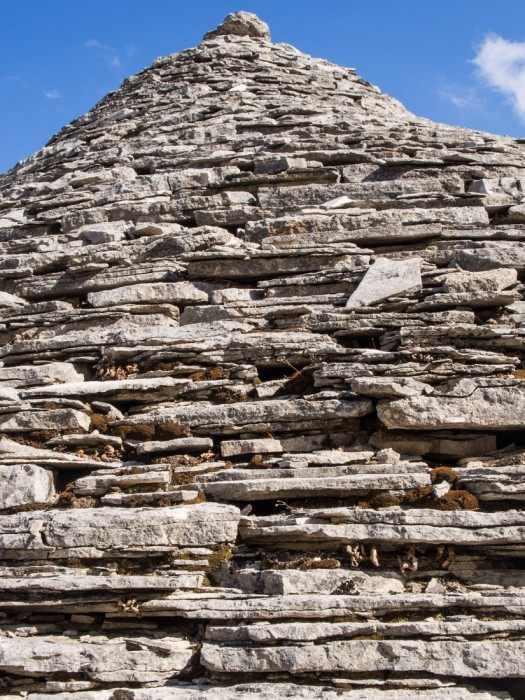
456, 61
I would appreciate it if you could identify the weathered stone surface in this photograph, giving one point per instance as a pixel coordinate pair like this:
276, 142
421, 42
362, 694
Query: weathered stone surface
157, 293
328, 581
106, 533
231, 448
389, 387
37, 375
327, 607
189, 444
483, 659
273, 691
100, 661
468, 406
249, 277
384, 279
241, 24
269, 489
256, 417
58, 419
25, 485
261, 633
121, 390
395, 527
12, 452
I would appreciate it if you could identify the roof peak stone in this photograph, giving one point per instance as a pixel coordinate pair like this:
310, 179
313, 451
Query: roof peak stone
241, 24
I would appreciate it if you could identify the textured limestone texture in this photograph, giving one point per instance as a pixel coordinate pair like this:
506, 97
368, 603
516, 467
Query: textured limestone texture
262, 393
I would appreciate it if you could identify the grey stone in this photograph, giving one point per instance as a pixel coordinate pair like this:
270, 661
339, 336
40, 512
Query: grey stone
158, 292
234, 448
354, 485
473, 659
106, 533
118, 660
25, 485
189, 444
241, 24
59, 419
38, 375
384, 279
274, 691
471, 406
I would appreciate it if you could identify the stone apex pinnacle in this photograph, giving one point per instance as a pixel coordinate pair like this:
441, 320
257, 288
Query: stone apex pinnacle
241, 24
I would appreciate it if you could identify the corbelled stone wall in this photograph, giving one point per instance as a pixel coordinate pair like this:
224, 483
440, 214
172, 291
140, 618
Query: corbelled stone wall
262, 393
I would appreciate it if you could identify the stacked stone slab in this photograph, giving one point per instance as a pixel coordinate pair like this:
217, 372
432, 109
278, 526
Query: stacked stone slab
262, 392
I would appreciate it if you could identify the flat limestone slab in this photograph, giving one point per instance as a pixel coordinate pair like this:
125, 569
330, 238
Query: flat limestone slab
37, 375
189, 444
57, 419
268, 489
231, 607
234, 448
482, 408
104, 660
266, 633
271, 691
110, 532
384, 279
156, 292
395, 527
231, 418
472, 659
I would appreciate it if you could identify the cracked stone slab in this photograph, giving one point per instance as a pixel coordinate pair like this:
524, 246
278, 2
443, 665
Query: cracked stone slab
233, 418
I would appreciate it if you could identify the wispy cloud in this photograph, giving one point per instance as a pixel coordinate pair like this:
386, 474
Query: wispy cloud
464, 98
11, 77
96, 44
53, 94
110, 53
501, 65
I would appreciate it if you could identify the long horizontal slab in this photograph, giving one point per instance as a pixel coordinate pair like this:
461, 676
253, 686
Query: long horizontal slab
273, 691
232, 418
109, 532
352, 485
393, 527
472, 659
209, 606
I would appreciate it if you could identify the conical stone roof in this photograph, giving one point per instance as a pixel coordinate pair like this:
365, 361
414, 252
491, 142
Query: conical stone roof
261, 391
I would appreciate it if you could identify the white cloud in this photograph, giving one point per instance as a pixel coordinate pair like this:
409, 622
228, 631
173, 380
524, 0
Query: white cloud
501, 64
96, 44
111, 55
11, 77
53, 94
462, 97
